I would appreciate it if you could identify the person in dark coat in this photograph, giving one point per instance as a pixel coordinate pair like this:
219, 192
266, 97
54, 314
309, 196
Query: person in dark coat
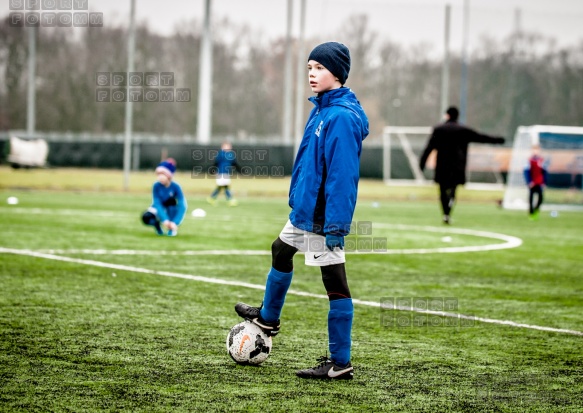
451, 140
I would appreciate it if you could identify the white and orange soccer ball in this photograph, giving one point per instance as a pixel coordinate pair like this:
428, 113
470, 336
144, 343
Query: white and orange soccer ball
248, 344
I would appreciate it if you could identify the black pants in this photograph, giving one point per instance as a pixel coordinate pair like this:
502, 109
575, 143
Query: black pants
537, 189
333, 276
447, 197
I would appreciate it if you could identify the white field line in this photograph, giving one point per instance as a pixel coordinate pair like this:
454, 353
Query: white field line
509, 242
262, 287
117, 214
157, 252
64, 212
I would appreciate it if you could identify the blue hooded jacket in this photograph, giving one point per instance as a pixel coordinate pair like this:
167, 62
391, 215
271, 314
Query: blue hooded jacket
226, 161
325, 175
169, 202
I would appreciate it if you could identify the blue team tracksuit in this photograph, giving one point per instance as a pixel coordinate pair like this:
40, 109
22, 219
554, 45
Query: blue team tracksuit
168, 203
322, 196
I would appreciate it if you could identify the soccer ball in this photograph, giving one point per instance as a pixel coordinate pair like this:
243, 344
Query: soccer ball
198, 213
248, 344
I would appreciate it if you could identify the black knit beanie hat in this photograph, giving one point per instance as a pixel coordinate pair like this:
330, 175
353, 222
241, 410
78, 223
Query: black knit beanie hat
333, 56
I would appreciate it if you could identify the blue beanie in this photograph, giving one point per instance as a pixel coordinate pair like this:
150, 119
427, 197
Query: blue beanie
167, 167
333, 56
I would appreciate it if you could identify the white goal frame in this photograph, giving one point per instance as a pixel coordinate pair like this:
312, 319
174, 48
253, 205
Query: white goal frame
401, 132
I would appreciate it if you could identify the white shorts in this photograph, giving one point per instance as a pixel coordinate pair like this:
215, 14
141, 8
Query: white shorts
313, 246
223, 180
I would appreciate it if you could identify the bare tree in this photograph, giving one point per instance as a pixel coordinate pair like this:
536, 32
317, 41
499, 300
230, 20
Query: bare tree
524, 79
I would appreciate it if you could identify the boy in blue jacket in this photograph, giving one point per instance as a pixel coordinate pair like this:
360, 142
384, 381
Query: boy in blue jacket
322, 197
168, 203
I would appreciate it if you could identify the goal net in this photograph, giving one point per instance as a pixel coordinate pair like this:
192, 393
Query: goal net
562, 149
404, 145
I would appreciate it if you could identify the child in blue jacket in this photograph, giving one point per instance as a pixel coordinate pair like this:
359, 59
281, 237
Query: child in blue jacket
322, 196
226, 165
168, 203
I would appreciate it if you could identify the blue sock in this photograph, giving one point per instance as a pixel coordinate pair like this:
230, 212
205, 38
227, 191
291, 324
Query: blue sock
339, 330
215, 193
228, 194
275, 291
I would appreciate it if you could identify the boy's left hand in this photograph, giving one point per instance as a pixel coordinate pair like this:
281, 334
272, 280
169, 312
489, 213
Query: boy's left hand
333, 241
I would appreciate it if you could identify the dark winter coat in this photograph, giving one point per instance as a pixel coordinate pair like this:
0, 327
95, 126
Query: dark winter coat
451, 140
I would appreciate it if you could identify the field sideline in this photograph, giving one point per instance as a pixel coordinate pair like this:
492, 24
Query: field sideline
98, 313
100, 180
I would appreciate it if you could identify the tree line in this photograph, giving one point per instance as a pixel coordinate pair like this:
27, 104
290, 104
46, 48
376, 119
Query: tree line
525, 79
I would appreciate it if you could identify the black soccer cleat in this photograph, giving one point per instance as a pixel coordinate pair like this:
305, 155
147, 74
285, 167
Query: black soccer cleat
253, 314
327, 370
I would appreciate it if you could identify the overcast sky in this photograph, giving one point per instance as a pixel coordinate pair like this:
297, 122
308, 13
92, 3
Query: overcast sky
404, 21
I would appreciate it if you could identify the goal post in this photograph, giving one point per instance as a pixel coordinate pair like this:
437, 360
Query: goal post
562, 149
403, 143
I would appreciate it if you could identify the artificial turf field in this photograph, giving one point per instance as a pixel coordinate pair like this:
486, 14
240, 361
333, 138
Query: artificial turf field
97, 313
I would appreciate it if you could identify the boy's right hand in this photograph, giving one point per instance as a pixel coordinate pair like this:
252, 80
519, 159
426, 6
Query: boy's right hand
333, 241
170, 225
